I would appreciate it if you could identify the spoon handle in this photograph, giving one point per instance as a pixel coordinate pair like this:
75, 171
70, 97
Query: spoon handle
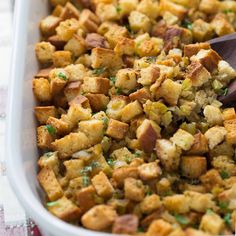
223, 38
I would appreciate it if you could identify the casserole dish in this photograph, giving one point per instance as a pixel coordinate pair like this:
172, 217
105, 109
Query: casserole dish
21, 146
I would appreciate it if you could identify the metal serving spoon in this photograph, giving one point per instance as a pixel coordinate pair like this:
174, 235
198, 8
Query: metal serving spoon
226, 47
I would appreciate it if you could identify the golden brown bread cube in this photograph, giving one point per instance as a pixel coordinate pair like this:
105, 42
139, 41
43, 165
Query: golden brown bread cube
62, 58
89, 20
76, 45
208, 58
69, 11
125, 46
149, 75
130, 111
193, 166
65, 209
44, 138
70, 144
211, 179
50, 160
202, 31
125, 224
147, 134
148, 171
230, 126
44, 73
141, 95
200, 145
228, 114
59, 125
120, 174
221, 25
197, 73
41, 88
117, 129
73, 168
96, 85
44, 52
85, 198
57, 85
98, 102
159, 227
100, 217
58, 2
72, 90
42, 113
213, 115
134, 189
51, 186
49, 24
102, 185
209, 6
193, 49
150, 203
139, 21
195, 232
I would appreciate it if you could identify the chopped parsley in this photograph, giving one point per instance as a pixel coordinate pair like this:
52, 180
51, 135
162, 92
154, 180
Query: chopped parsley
99, 71
151, 59
128, 158
224, 174
222, 92
138, 153
86, 181
127, 26
227, 219
181, 219
110, 162
226, 11
88, 169
225, 91
223, 205
50, 129
112, 79
50, 204
62, 76
48, 154
105, 120
209, 211
118, 91
187, 24
118, 9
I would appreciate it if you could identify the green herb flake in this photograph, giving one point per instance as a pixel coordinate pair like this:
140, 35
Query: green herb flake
113, 79
227, 11
141, 229
118, 9
51, 130
95, 164
187, 24
118, 91
50, 204
151, 59
105, 120
223, 205
127, 26
181, 219
110, 162
62, 76
224, 174
99, 71
209, 212
138, 153
48, 154
86, 181
227, 219
225, 91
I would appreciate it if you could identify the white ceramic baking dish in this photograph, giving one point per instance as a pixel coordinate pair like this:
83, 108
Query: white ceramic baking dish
22, 152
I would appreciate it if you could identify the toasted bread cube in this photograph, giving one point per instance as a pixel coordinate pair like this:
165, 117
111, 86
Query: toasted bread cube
149, 75
200, 202
147, 134
209, 6
89, 20
150, 204
85, 198
170, 91
76, 72
215, 135
213, 115
58, 2
93, 129
61, 58
193, 49
178, 203
44, 52
130, 111
44, 73
125, 224
106, 12
202, 31
183, 139
120, 174
148, 171
200, 145
57, 85
72, 90
229, 114
139, 21
70, 144
211, 179
175, 9
125, 46
127, 6
178, 232
126, 79
149, 8
102, 57
76, 45
117, 129
97, 102
67, 28
221, 25
226, 72
141, 95
160, 228
41, 88
96, 85
134, 189
102, 185
73, 168
193, 166
65, 209
50, 160
212, 223
42, 113
194, 232
59, 125
48, 181
69, 11
49, 24
168, 154
99, 217
44, 138
198, 74
208, 58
